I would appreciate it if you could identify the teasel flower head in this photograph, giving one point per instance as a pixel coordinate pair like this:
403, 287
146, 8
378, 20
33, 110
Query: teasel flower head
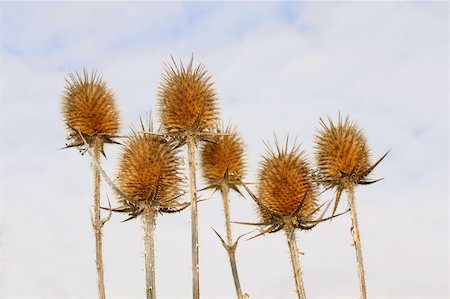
222, 159
285, 186
187, 100
89, 107
342, 155
149, 174
287, 194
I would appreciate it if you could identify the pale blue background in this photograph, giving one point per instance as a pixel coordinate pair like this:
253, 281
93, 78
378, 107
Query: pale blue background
278, 67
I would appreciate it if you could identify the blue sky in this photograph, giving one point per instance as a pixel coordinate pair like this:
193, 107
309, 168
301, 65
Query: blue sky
277, 67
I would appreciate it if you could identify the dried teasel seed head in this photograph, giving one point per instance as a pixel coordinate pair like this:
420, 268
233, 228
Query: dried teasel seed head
89, 106
187, 99
342, 153
222, 159
285, 185
148, 171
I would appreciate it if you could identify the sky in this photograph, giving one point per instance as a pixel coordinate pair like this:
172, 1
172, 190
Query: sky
278, 67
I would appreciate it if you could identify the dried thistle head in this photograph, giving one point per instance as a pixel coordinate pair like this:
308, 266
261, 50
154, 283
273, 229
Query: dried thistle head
187, 99
222, 159
286, 191
149, 174
343, 156
342, 152
89, 107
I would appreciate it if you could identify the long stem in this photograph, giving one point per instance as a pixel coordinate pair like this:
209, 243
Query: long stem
292, 243
97, 222
231, 249
194, 218
148, 219
357, 242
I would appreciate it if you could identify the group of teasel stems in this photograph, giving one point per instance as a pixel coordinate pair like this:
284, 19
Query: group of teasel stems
150, 180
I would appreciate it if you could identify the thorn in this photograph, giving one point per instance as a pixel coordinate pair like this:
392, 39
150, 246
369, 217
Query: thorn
370, 182
221, 239
250, 223
235, 244
104, 220
376, 163
263, 232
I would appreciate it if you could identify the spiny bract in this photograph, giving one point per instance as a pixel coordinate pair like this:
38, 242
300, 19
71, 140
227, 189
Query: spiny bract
222, 159
89, 107
285, 186
342, 152
187, 99
149, 170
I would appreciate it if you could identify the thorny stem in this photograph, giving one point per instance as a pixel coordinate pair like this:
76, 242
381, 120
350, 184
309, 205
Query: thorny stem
357, 241
231, 249
226, 206
194, 218
97, 222
148, 219
292, 243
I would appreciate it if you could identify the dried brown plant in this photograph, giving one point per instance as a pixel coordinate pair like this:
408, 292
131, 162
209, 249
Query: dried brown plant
90, 114
188, 111
149, 182
187, 100
343, 160
222, 159
285, 184
89, 107
223, 167
149, 174
287, 199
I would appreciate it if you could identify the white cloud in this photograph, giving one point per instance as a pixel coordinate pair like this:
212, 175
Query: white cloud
385, 64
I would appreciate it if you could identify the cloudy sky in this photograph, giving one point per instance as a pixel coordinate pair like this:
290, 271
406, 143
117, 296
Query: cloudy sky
278, 67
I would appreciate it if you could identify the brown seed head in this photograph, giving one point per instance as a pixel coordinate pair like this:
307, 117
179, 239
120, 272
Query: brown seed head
149, 170
88, 106
342, 153
187, 99
222, 159
285, 185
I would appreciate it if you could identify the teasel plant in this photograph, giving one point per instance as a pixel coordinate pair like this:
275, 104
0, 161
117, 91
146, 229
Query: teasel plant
189, 114
287, 199
223, 165
149, 182
343, 162
90, 113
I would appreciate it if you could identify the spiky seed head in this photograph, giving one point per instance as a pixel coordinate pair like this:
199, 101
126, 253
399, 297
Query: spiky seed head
222, 159
342, 153
89, 106
187, 99
285, 185
148, 171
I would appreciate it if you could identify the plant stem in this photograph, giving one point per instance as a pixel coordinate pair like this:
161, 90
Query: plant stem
357, 241
97, 222
292, 243
231, 249
148, 219
194, 218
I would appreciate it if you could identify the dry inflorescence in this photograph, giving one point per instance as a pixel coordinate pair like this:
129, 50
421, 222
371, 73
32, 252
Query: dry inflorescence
222, 159
343, 156
91, 116
223, 165
286, 189
89, 107
189, 113
149, 173
342, 152
187, 99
